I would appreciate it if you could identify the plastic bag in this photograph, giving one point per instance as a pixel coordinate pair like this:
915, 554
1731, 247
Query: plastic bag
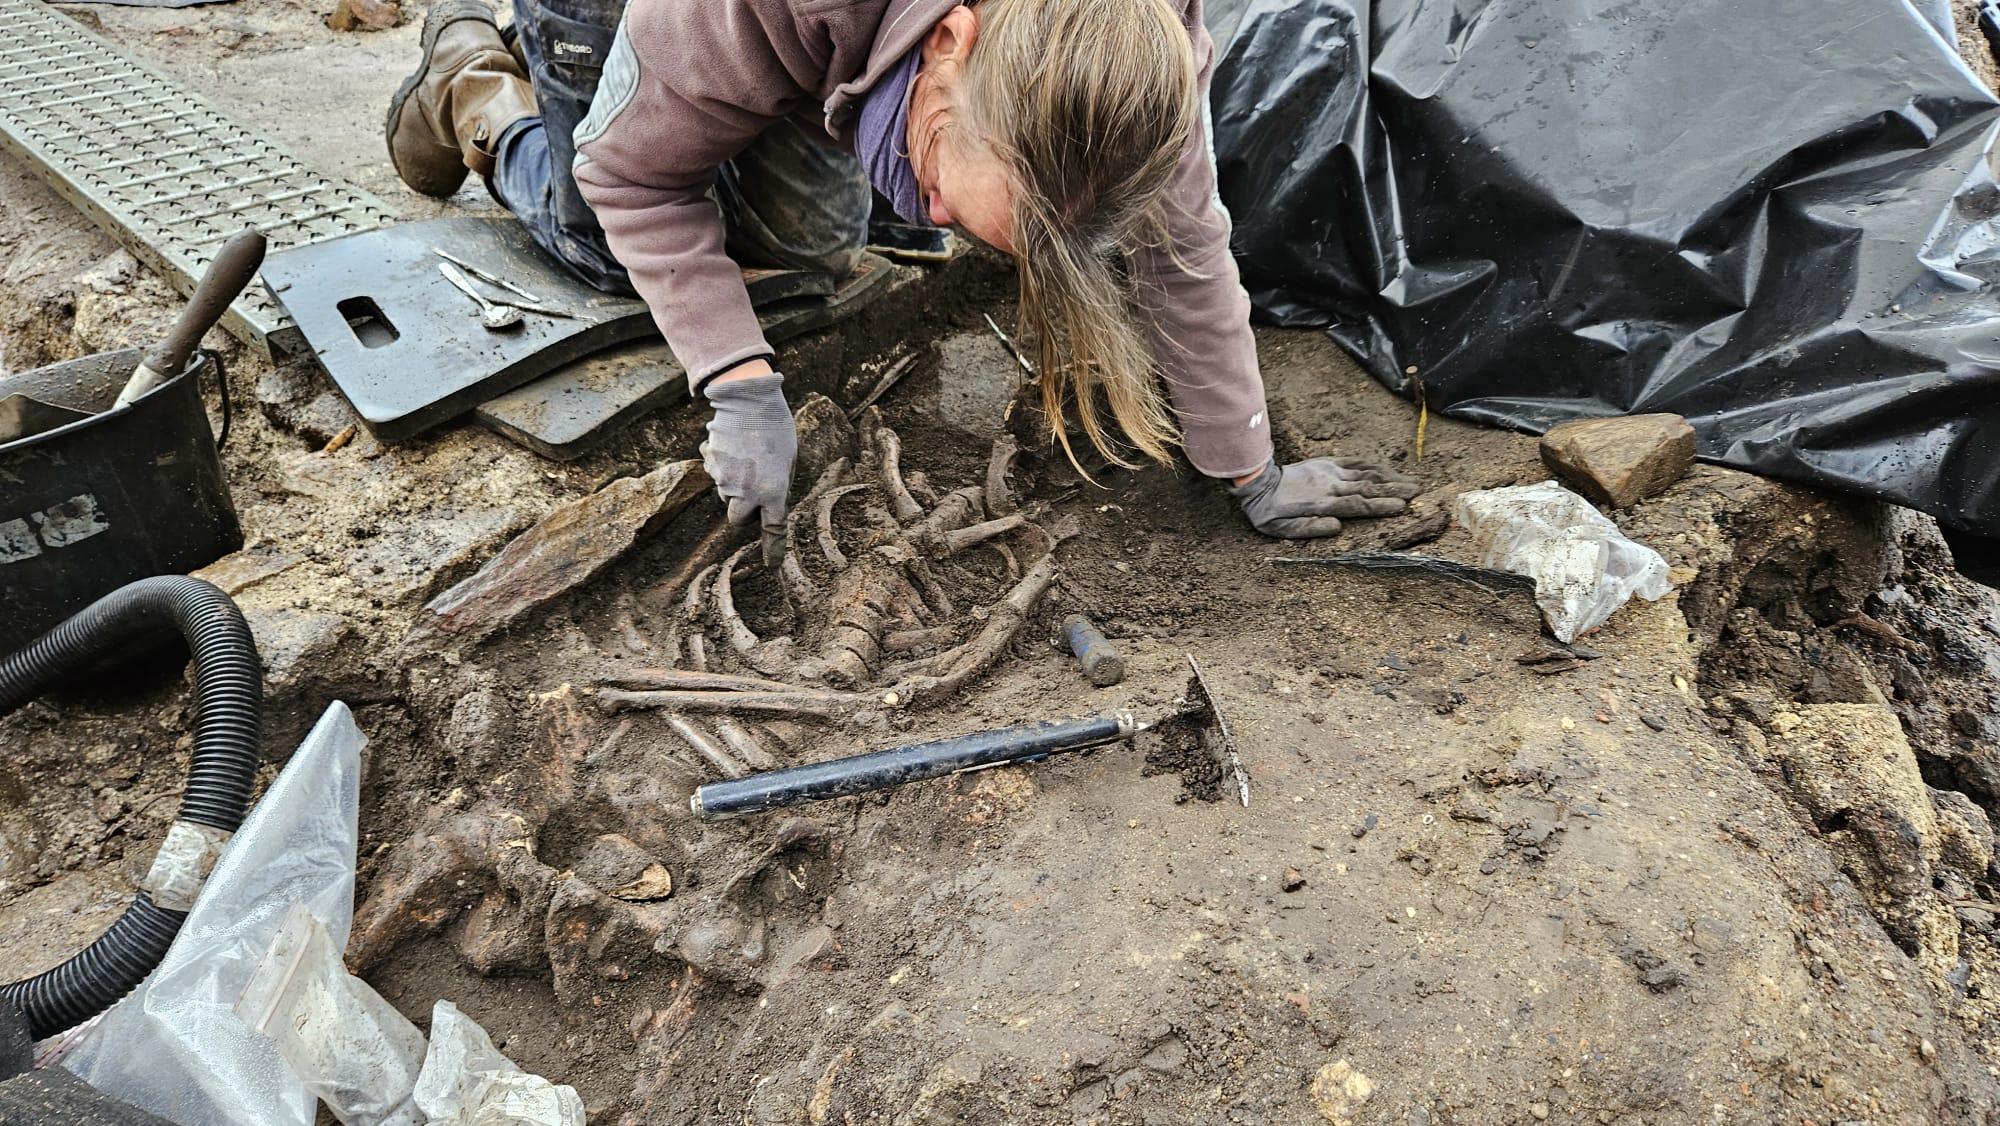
348, 1045
1583, 566
175, 1045
1528, 212
467, 1082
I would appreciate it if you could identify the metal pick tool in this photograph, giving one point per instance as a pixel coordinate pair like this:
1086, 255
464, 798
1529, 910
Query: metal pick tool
528, 302
495, 318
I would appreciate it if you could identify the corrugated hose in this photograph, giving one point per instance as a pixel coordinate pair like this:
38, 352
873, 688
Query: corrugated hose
228, 727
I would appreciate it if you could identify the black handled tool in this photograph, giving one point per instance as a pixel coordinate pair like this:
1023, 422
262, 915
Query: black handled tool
882, 770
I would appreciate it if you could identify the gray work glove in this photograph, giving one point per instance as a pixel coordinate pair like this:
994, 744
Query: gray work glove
1308, 499
750, 449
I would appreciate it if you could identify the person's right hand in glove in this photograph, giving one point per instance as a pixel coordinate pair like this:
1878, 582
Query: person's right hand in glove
1308, 499
749, 452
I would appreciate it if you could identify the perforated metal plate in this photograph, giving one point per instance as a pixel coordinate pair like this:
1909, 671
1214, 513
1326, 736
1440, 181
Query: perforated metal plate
163, 171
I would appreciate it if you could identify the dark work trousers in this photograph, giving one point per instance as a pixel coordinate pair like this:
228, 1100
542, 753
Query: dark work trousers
788, 201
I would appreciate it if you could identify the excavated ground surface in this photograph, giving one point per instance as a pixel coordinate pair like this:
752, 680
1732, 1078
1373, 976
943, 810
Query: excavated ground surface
1736, 867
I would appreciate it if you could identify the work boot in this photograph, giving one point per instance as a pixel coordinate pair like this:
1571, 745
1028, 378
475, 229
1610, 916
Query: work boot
448, 116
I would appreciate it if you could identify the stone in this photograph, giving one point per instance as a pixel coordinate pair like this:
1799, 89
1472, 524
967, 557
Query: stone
296, 396
409, 560
725, 948
1620, 461
365, 15
564, 550
501, 936
239, 571
481, 731
1965, 834
1167, 1057
616, 866
1340, 1091
17, 1049
956, 1091
1661, 978
1851, 766
311, 658
55, 1095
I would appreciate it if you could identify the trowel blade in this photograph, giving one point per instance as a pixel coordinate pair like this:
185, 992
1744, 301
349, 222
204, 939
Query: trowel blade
1216, 735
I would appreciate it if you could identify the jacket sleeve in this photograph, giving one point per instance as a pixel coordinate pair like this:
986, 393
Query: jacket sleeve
688, 84
1198, 313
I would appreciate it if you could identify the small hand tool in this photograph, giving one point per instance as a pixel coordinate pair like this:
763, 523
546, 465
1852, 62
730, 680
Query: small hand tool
959, 754
1216, 735
495, 318
884, 770
232, 269
1012, 348
528, 303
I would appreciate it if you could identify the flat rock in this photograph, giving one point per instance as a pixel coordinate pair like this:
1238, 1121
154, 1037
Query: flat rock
239, 571
365, 15
566, 549
1620, 461
17, 1051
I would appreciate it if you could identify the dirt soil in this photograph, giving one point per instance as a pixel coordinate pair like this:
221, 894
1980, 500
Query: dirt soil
1729, 861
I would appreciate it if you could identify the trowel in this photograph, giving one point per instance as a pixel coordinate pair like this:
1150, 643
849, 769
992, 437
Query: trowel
231, 270
962, 754
1215, 734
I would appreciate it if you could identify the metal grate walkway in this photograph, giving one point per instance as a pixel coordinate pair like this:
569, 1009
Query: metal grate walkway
163, 171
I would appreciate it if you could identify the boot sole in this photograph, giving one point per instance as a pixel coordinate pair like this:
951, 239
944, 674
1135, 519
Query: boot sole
463, 10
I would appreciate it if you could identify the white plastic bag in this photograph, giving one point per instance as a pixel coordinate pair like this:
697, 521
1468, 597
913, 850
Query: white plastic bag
467, 1082
175, 1046
1583, 566
348, 1045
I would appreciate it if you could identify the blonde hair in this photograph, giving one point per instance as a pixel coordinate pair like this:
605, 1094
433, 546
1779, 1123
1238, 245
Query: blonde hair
1090, 104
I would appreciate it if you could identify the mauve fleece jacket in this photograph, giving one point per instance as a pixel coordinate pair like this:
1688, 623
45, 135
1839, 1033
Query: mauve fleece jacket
688, 85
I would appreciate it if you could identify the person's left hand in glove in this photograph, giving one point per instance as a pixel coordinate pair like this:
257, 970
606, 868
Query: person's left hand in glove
1309, 499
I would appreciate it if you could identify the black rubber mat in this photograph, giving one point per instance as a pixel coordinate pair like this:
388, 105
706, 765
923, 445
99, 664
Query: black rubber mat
567, 413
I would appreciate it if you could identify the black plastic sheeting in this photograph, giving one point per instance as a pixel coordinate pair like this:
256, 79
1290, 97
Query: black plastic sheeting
1778, 219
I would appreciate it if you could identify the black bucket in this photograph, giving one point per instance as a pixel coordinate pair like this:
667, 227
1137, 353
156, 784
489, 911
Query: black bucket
106, 500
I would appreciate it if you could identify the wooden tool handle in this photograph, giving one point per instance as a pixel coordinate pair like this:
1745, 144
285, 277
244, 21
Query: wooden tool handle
232, 270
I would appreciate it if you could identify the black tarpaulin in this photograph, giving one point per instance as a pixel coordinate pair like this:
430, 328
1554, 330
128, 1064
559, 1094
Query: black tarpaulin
1779, 219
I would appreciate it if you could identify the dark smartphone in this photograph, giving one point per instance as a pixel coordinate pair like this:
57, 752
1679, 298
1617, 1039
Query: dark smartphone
907, 242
